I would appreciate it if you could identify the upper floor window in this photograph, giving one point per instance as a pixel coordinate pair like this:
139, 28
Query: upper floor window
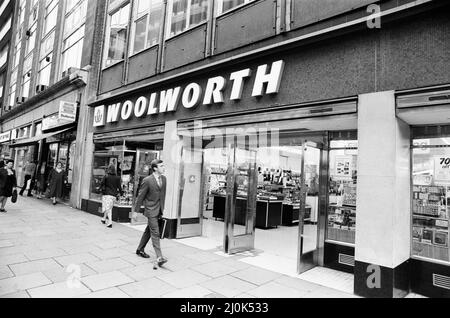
75, 17
51, 15
116, 35
73, 50
184, 14
226, 5
4, 55
34, 11
73, 35
45, 66
21, 14
1, 84
146, 24
31, 40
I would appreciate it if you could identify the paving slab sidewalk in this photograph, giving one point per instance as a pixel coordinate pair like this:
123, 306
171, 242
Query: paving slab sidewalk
51, 251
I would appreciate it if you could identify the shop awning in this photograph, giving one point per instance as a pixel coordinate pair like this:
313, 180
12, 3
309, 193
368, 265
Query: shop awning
36, 139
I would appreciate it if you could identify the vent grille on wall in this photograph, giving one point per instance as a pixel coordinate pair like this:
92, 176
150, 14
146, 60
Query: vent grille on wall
347, 260
441, 281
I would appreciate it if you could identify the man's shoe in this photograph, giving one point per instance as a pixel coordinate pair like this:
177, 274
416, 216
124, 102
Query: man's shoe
161, 261
109, 226
142, 254
103, 221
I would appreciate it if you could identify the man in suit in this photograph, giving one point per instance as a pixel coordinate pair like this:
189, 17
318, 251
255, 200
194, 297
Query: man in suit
152, 194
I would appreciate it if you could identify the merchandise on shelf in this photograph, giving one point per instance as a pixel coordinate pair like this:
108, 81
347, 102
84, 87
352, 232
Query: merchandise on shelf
430, 232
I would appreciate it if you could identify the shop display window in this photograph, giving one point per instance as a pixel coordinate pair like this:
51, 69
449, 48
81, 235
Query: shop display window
342, 191
431, 198
131, 157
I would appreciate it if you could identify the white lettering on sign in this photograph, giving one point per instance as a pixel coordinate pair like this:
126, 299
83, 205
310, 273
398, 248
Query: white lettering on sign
169, 100
141, 107
113, 113
152, 110
214, 88
238, 83
191, 95
267, 81
127, 109
272, 79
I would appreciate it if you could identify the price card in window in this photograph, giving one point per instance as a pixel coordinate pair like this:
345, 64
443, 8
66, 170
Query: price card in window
442, 168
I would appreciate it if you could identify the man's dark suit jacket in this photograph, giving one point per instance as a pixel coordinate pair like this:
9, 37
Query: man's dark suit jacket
152, 196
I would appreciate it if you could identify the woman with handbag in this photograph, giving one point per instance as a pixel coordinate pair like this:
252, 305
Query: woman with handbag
8, 182
111, 186
57, 181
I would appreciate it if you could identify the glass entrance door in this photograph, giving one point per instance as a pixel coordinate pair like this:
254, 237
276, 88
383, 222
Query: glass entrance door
191, 185
311, 223
240, 207
143, 170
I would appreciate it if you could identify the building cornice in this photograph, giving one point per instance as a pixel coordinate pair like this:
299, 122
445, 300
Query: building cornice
76, 80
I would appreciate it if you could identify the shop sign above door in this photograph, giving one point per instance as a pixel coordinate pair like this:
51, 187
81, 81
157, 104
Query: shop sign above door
5, 137
67, 115
266, 82
68, 111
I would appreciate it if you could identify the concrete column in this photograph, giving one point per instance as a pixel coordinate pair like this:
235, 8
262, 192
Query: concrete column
171, 156
383, 199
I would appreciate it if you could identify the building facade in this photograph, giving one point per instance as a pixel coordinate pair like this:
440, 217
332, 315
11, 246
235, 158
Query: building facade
6, 20
47, 86
315, 134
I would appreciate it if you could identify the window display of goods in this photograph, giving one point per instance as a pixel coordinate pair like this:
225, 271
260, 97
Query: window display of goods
349, 197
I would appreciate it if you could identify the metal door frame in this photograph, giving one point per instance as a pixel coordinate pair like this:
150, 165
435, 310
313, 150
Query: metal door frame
314, 258
235, 244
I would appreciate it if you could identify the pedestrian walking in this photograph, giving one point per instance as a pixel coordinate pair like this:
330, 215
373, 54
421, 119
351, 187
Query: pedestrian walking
153, 194
111, 186
57, 180
28, 183
41, 184
8, 182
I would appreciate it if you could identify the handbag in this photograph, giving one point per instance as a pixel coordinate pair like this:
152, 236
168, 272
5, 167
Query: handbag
14, 196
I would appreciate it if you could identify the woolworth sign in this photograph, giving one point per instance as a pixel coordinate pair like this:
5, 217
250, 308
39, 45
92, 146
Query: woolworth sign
165, 101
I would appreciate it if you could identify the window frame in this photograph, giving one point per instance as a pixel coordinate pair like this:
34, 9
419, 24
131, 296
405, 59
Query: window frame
137, 17
49, 9
220, 11
73, 31
188, 27
118, 5
413, 148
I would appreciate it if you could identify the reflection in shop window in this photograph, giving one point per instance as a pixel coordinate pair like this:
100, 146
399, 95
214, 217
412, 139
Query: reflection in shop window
431, 198
74, 28
184, 14
226, 5
131, 157
116, 36
147, 21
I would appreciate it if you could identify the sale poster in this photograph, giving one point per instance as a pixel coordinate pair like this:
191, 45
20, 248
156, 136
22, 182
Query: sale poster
343, 167
442, 169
